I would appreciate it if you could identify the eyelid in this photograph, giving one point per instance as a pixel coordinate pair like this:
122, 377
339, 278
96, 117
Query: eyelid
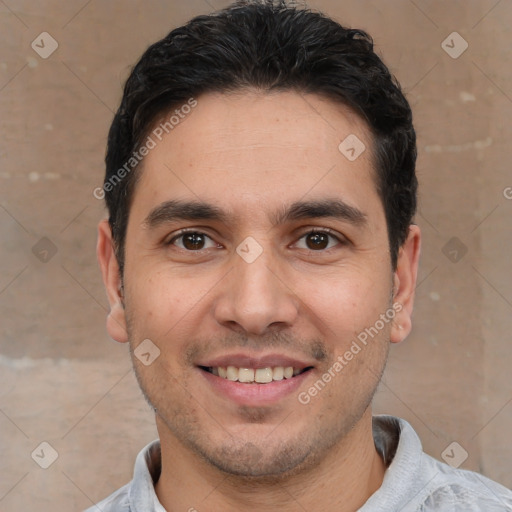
317, 229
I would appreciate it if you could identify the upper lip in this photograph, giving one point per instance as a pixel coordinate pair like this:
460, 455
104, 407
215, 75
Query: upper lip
249, 361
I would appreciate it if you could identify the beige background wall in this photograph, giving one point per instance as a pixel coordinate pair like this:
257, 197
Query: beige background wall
63, 381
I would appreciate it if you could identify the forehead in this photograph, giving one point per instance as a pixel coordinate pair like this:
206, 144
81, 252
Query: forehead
248, 150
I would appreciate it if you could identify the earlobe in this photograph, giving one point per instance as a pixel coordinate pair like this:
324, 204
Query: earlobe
405, 277
116, 323
116, 320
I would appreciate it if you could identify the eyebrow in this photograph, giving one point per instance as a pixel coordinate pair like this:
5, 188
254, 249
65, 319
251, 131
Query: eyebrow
174, 210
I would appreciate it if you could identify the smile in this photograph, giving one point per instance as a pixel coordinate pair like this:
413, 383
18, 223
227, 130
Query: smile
255, 375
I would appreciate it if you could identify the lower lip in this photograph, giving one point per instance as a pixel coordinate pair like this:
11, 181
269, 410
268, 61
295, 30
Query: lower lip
253, 393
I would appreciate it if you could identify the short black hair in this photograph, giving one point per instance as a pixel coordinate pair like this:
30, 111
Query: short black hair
270, 46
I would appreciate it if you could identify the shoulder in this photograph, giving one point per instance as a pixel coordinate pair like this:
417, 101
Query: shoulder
454, 490
416, 482
444, 488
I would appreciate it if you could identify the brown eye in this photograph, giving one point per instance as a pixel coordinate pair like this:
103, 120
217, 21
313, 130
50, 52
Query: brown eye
192, 241
317, 241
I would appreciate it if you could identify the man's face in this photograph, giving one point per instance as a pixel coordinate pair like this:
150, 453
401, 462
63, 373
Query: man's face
282, 298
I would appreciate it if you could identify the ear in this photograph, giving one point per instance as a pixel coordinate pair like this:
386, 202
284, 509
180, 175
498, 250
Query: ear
405, 284
116, 320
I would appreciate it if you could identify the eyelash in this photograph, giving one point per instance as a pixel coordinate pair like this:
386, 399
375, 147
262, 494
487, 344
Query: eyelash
325, 231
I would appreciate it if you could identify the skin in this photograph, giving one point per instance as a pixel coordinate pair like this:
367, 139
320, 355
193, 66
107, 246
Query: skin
250, 153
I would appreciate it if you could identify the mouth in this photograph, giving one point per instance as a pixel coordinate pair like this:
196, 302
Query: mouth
253, 381
255, 375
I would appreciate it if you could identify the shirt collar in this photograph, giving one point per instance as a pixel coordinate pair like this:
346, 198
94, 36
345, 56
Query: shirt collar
148, 465
403, 478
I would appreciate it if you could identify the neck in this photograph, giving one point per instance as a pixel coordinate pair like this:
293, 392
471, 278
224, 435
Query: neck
343, 480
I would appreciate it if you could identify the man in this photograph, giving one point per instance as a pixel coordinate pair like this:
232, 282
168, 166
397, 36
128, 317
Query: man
259, 258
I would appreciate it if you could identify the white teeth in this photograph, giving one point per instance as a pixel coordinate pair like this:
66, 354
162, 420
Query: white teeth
232, 373
259, 375
263, 375
278, 373
246, 375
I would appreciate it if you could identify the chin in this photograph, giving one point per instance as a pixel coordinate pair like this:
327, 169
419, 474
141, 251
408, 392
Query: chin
251, 463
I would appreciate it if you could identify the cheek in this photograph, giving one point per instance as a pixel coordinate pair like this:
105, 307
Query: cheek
152, 305
161, 294
164, 306
345, 304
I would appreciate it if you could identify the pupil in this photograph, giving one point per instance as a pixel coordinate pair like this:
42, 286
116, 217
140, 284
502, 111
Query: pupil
318, 241
193, 241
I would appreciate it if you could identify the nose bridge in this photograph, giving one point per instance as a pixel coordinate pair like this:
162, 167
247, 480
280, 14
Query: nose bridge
255, 277
255, 295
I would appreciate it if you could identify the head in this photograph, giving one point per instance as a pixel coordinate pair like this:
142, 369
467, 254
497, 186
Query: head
243, 115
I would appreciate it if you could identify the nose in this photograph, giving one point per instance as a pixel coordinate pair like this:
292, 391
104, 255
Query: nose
256, 296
